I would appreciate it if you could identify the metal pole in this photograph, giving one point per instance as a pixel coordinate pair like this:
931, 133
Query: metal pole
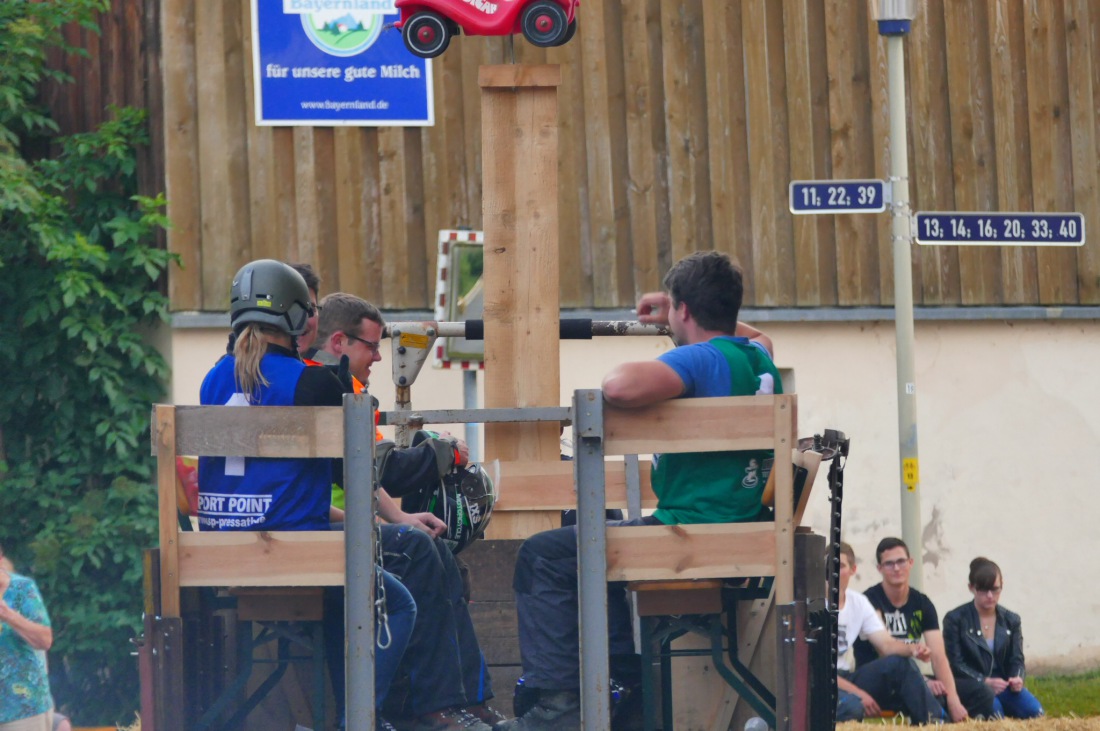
588, 471
359, 548
903, 308
469, 401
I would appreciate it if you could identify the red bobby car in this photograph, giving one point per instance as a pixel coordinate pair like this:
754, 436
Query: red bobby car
428, 25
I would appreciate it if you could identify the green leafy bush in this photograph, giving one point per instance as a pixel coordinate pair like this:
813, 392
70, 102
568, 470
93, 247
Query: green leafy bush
79, 274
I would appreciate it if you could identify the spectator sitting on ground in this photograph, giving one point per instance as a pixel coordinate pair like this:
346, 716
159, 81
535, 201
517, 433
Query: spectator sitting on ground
985, 643
910, 616
891, 682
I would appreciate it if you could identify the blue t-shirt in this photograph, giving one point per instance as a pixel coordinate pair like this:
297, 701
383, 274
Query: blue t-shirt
706, 372
24, 684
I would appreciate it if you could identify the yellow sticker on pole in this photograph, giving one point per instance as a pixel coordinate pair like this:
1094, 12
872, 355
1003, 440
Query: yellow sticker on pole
413, 340
910, 473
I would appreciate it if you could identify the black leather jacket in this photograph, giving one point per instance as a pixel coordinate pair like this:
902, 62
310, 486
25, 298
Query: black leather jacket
968, 652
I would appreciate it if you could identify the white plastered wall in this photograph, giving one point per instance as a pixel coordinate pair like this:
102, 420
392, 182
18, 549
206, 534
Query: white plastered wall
1008, 437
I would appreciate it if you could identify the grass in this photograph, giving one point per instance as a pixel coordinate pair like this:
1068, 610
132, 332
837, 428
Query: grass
1072, 695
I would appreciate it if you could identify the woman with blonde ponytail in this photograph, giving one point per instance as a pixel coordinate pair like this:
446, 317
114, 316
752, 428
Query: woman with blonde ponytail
270, 306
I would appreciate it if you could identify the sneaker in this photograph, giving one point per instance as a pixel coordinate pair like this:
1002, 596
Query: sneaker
381, 724
554, 711
485, 713
452, 719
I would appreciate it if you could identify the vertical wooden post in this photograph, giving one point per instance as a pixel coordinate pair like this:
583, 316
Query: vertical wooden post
520, 177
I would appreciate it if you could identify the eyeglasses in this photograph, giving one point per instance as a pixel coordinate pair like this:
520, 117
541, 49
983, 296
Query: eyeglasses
995, 591
313, 310
894, 565
373, 345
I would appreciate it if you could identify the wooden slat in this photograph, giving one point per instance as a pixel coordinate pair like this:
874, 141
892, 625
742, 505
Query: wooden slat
1051, 155
813, 236
970, 99
168, 530
574, 250
181, 155
936, 278
647, 164
549, 486
1008, 70
853, 154
640, 553
1082, 47
271, 431
608, 234
686, 127
692, 425
280, 558
727, 138
223, 192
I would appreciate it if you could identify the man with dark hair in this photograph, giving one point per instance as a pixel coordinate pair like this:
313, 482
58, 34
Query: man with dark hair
448, 679
891, 682
313, 283
910, 616
715, 355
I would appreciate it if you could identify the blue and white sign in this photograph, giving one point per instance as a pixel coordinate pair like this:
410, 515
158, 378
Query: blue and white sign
837, 196
1001, 229
336, 62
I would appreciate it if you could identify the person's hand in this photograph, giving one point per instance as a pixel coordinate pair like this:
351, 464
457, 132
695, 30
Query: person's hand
461, 446
653, 308
5, 581
6, 612
921, 652
426, 522
936, 687
997, 685
956, 710
870, 708
1016, 684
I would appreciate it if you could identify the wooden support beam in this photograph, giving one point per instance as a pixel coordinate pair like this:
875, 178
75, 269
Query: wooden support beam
519, 108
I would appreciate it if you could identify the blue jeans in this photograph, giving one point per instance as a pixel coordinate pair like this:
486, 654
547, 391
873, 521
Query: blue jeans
896, 685
401, 611
1017, 705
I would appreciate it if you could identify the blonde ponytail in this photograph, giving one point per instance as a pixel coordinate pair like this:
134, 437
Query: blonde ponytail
248, 351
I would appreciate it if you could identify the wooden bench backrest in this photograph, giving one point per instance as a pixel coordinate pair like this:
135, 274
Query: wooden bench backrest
316, 558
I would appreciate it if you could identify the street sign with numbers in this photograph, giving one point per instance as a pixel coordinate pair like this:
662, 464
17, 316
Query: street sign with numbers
837, 196
1001, 229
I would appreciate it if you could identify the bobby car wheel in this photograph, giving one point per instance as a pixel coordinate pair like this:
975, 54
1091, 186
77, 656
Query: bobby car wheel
545, 24
426, 34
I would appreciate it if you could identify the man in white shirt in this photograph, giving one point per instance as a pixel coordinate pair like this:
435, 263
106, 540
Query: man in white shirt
893, 682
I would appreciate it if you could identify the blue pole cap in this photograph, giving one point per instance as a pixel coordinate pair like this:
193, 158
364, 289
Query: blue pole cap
894, 27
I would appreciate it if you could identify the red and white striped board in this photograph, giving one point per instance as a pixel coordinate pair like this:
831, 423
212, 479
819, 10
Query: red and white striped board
455, 352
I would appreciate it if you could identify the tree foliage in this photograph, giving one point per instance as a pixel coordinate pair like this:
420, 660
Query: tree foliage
79, 273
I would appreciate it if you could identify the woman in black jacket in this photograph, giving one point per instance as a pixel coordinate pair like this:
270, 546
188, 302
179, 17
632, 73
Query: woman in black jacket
984, 642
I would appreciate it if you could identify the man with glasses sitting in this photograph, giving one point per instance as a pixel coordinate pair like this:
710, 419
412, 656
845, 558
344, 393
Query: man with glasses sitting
910, 616
448, 678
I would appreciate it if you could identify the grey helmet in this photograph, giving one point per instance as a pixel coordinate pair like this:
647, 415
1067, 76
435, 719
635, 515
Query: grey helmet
271, 293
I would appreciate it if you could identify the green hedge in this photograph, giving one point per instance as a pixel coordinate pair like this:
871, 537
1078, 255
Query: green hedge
79, 275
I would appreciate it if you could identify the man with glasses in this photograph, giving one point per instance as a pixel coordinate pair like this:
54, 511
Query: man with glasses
891, 682
910, 616
448, 680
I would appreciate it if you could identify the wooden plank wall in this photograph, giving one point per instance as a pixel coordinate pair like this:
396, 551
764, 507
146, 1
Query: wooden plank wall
681, 125
121, 68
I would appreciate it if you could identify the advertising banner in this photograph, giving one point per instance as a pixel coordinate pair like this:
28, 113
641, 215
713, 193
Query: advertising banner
336, 62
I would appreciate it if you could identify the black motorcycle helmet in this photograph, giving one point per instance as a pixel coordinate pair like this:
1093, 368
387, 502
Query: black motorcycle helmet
271, 293
463, 500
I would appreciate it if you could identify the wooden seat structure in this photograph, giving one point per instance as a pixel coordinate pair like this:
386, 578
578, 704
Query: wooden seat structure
635, 554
